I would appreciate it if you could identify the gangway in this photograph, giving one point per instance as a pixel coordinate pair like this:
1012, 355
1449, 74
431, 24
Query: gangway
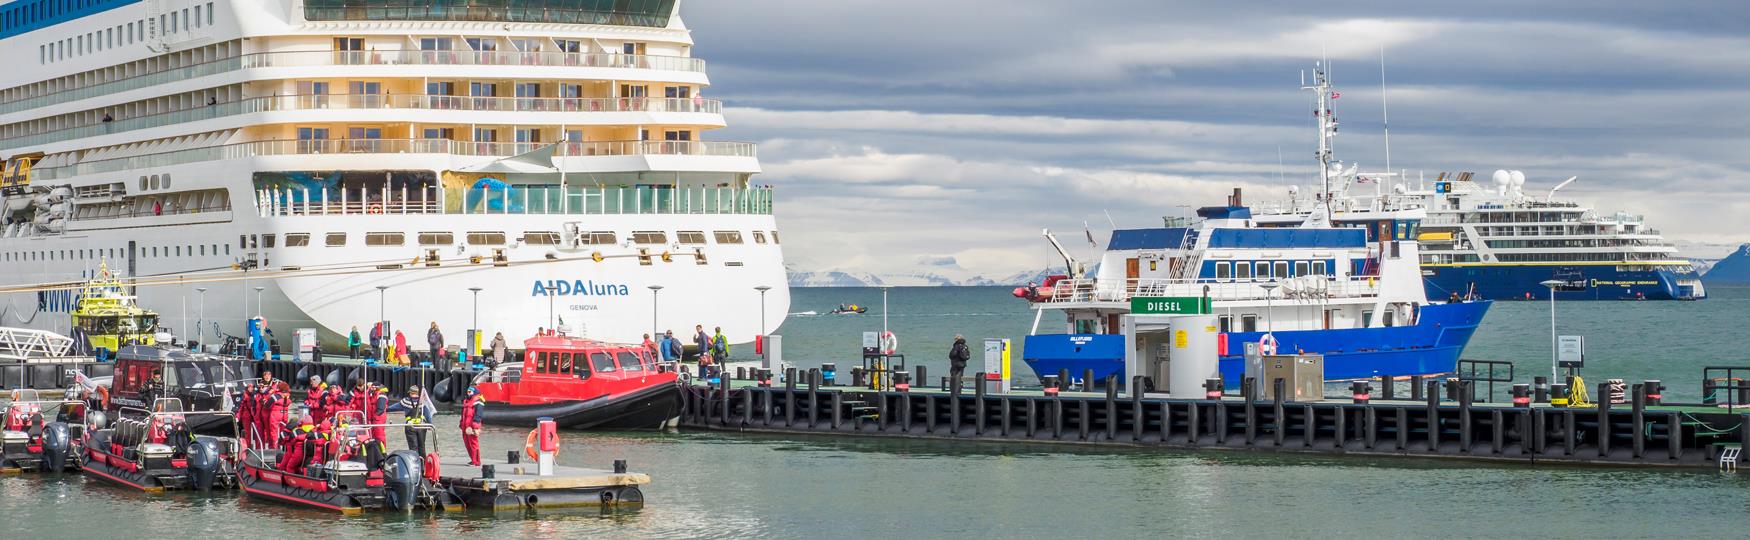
18, 344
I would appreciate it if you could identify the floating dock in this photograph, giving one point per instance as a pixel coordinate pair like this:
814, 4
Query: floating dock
1638, 433
517, 487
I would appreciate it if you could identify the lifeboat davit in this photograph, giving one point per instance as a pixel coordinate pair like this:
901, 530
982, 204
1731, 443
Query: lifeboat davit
581, 384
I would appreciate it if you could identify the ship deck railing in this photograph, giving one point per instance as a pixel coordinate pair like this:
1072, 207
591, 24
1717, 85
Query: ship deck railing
517, 200
1091, 290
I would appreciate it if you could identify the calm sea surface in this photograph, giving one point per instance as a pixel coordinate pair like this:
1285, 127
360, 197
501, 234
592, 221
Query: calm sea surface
741, 486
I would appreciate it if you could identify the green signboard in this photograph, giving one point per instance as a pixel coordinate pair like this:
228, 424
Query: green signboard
1169, 305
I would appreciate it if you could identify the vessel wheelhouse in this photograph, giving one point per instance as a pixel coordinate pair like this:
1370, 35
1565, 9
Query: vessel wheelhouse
581, 383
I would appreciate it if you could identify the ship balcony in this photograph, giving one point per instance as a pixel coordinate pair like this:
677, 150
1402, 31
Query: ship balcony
519, 199
438, 154
392, 63
409, 108
1088, 291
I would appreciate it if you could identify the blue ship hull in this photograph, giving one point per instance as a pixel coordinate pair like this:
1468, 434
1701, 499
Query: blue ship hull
1432, 346
1524, 282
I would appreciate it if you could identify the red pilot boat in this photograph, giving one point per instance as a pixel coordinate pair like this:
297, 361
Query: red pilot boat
581, 384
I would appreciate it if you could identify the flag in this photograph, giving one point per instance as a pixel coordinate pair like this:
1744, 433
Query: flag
1089, 232
1335, 94
1365, 180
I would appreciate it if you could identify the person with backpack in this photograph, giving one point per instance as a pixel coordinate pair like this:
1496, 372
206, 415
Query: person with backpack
958, 355
720, 346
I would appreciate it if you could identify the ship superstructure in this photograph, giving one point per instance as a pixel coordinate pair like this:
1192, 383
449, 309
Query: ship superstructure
330, 163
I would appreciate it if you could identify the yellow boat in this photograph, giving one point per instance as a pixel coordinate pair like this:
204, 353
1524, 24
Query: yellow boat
109, 317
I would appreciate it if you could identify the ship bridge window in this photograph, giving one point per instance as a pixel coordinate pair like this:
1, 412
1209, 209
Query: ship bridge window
1319, 268
541, 238
1264, 271
602, 363
486, 238
1243, 270
541, 361
690, 237
649, 237
267, 240
334, 239
629, 361
436, 238
1281, 269
385, 239
728, 237
292, 240
1300, 268
1223, 271
599, 238
759, 237
579, 367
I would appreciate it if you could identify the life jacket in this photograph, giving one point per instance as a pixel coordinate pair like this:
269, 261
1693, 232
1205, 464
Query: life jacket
470, 418
315, 400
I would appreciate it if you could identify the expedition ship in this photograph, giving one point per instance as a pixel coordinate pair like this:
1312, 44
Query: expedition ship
330, 163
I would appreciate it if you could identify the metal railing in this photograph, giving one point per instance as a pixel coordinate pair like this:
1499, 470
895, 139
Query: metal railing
516, 200
652, 14
370, 101
394, 146
355, 58
1484, 371
1303, 287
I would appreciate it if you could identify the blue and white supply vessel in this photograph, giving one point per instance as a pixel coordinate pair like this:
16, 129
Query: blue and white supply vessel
1349, 289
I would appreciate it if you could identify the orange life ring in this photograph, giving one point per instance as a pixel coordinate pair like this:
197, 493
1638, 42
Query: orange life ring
1267, 345
374, 208
889, 343
529, 446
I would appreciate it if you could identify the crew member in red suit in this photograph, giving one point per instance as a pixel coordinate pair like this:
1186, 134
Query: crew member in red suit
292, 455
245, 411
278, 400
377, 413
316, 399
471, 409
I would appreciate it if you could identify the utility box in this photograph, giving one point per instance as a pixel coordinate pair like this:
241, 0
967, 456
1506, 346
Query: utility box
996, 366
1176, 352
774, 353
1303, 376
304, 344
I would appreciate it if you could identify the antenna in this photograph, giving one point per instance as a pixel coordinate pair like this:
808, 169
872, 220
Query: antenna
1384, 113
1280, 176
1109, 219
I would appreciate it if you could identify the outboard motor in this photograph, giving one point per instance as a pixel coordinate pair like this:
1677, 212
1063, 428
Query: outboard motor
401, 479
57, 444
204, 459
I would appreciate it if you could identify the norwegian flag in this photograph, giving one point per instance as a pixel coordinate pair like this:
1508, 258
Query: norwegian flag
1335, 94
1365, 180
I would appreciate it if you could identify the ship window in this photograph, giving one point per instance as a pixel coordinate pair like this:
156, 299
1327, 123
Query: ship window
541, 238
649, 237
565, 364
580, 367
267, 240
1366, 318
759, 237
1223, 270
1263, 270
1319, 268
292, 240
728, 237
436, 238
1242, 270
602, 363
629, 362
1227, 325
385, 239
1300, 268
600, 238
540, 362
486, 238
775, 237
690, 237
1281, 269
1248, 323
644, 257
334, 239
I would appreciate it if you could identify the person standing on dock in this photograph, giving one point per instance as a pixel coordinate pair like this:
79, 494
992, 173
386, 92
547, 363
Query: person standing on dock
650, 347
352, 344
470, 424
400, 352
377, 340
669, 346
720, 346
499, 349
435, 339
958, 355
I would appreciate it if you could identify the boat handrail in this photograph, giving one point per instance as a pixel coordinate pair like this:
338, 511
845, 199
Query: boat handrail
1296, 288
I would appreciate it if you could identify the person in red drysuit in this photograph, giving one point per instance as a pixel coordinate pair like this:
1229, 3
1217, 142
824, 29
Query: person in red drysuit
316, 399
471, 409
360, 399
244, 412
335, 401
279, 398
292, 454
378, 413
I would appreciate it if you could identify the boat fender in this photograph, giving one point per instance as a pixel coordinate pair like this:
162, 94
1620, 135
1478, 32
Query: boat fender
530, 450
889, 343
432, 468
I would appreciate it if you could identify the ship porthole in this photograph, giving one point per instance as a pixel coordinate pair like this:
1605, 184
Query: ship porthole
165, 184
142, 183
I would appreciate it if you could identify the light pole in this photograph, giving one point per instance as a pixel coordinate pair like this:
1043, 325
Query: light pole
884, 312
762, 289
552, 291
1554, 354
474, 329
200, 327
654, 290
382, 314
258, 300
1269, 303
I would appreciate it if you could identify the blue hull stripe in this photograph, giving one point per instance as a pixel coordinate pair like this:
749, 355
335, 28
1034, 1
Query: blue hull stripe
1432, 346
1603, 282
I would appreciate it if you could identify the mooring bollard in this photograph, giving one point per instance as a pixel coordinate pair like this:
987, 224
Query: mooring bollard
488, 471
1361, 391
1050, 382
954, 386
922, 374
902, 381
1522, 395
1452, 388
1558, 395
1212, 388
857, 376
1387, 387
1416, 388
741, 373
829, 374
1655, 391
1540, 389
513, 457
620, 466
1087, 380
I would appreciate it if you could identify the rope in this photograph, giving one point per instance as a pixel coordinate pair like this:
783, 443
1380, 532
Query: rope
1578, 398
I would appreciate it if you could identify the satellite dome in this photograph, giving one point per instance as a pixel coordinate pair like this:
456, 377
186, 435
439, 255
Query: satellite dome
1293, 190
1518, 178
1502, 177
1399, 189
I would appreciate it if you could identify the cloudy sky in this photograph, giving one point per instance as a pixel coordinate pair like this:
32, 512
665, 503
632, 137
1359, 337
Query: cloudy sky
911, 133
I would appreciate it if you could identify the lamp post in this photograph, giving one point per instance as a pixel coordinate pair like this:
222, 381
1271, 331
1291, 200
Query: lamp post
1269, 303
762, 289
258, 300
382, 316
474, 328
199, 327
552, 292
1554, 354
654, 290
884, 312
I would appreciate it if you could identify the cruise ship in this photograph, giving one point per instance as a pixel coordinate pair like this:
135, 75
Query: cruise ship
1494, 240
330, 163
